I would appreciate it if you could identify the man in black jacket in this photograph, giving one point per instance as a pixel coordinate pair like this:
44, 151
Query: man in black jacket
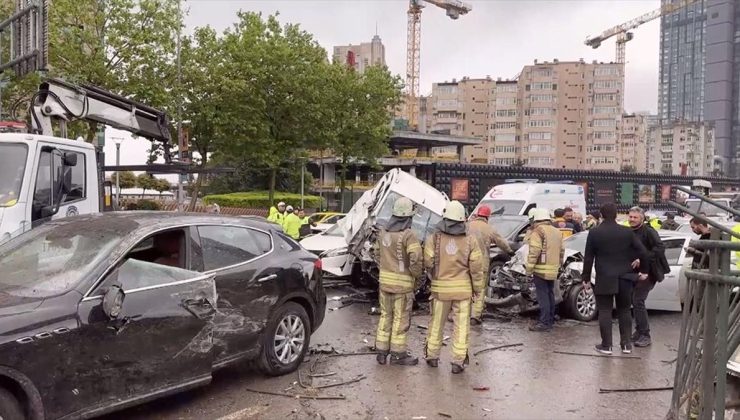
701, 228
614, 248
657, 265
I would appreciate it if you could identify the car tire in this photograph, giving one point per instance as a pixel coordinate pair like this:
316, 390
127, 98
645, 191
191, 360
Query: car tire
288, 319
10, 407
581, 305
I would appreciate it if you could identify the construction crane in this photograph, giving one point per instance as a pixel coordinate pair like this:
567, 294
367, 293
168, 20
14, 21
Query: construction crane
623, 34
454, 9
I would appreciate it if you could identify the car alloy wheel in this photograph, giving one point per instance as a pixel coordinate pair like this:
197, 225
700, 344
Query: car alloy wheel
290, 337
586, 304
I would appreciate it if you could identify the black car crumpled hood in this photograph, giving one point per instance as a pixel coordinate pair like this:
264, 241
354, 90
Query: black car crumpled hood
14, 305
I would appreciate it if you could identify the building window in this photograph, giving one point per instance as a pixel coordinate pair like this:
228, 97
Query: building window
540, 161
505, 149
507, 87
604, 110
504, 125
605, 123
540, 111
540, 148
601, 97
542, 98
540, 136
541, 86
505, 101
607, 84
506, 113
604, 135
541, 123
606, 71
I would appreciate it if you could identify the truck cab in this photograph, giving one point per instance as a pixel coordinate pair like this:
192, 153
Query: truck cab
518, 198
44, 178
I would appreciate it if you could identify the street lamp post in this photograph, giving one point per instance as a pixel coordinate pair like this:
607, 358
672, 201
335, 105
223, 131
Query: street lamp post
118, 141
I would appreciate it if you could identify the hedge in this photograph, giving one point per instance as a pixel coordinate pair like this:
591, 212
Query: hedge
143, 205
259, 199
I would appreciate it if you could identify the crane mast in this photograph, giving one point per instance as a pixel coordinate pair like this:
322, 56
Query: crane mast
622, 31
454, 9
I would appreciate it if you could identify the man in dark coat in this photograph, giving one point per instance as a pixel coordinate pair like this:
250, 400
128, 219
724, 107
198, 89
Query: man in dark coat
657, 267
614, 248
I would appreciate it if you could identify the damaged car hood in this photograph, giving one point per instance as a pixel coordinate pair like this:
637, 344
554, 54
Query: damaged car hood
375, 205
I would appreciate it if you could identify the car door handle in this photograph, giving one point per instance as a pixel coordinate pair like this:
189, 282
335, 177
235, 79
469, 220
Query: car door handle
267, 278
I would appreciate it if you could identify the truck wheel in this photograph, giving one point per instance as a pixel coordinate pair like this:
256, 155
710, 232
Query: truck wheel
285, 341
581, 304
10, 408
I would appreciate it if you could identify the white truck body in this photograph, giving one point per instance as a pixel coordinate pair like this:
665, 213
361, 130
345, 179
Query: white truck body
31, 172
519, 197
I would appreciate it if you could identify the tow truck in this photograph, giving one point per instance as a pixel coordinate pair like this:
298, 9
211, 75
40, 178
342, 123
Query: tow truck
45, 177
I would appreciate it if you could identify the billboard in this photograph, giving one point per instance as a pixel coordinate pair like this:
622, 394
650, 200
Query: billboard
646, 194
603, 193
627, 196
460, 189
665, 193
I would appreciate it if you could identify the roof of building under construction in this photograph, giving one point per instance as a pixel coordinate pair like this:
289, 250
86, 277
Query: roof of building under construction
400, 140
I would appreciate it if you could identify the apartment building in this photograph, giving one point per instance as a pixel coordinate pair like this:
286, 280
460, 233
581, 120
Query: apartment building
633, 142
361, 56
504, 144
681, 148
461, 108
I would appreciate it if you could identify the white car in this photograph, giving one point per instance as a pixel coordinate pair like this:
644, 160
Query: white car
331, 247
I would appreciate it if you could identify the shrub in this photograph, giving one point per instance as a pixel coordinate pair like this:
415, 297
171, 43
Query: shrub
143, 205
259, 199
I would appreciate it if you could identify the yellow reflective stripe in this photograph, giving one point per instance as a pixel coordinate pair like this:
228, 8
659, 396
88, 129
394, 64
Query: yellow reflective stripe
396, 279
413, 247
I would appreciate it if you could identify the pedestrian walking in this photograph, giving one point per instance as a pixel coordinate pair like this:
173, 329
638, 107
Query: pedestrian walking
401, 265
543, 262
657, 267
701, 258
453, 260
613, 248
485, 235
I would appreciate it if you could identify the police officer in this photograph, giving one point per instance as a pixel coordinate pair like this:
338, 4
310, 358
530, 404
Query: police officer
401, 264
453, 260
543, 262
485, 235
277, 215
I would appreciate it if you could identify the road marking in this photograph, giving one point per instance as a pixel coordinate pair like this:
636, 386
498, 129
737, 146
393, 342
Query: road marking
246, 413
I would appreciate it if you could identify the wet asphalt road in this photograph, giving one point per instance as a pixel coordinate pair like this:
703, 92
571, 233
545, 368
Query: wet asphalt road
525, 382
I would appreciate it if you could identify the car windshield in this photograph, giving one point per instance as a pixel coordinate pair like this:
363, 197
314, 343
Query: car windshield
52, 259
12, 167
424, 220
504, 207
505, 227
698, 206
576, 242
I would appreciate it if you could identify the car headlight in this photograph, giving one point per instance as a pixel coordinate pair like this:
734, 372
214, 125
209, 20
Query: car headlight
335, 253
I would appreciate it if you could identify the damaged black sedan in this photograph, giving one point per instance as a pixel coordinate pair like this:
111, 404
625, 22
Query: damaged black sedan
102, 312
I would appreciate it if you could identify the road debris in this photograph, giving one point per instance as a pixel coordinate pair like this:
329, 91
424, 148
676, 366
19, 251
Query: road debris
449, 416
298, 396
351, 381
422, 327
595, 355
488, 410
321, 375
417, 418
669, 362
374, 311
322, 349
481, 388
362, 353
609, 390
497, 348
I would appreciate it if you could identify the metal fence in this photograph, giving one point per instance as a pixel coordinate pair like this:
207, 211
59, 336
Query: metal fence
710, 326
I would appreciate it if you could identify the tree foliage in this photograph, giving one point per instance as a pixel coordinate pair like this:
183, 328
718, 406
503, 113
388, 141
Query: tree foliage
128, 179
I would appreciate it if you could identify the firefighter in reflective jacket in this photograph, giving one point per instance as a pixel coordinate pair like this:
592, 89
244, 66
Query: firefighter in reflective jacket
453, 260
486, 236
401, 264
543, 262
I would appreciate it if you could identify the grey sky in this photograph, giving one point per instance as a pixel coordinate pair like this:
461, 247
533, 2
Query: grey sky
497, 38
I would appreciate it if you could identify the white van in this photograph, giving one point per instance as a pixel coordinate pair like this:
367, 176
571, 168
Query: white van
518, 198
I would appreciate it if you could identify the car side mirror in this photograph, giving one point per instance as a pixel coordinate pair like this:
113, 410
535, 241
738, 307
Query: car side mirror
48, 211
70, 159
113, 301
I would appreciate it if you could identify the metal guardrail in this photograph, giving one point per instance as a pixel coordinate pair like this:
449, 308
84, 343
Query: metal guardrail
710, 326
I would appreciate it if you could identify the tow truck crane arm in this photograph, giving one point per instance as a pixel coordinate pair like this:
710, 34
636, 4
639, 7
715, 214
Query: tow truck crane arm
57, 99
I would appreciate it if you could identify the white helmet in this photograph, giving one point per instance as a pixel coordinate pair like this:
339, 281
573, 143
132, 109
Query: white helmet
403, 207
455, 211
281, 204
289, 209
540, 215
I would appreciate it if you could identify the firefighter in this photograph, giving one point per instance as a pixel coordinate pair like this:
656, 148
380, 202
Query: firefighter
485, 235
454, 262
543, 262
401, 264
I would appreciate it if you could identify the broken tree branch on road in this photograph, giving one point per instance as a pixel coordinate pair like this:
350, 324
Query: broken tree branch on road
299, 396
497, 348
595, 355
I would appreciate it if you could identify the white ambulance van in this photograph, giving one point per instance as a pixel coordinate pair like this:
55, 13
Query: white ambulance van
517, 198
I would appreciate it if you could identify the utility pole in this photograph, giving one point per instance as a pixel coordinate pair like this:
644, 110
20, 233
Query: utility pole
118, 141
303, 182
180, 189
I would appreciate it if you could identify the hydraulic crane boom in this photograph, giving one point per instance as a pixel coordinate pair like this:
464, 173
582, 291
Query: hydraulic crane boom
454, 9
60, 100
622, 31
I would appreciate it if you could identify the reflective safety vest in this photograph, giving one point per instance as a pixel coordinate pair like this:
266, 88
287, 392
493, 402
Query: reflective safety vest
655, 223
455, 265
545, 251
562, 225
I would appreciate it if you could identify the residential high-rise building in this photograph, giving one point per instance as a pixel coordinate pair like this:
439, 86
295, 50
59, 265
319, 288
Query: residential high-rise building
361, 56
461, 108
505, 142
682, 63
570, 114
681, 148
633, 143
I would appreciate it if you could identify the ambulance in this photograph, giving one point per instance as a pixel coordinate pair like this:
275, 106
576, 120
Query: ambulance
518, 197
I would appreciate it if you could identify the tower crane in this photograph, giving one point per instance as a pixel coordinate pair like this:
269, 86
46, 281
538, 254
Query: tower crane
623, 34
454, 9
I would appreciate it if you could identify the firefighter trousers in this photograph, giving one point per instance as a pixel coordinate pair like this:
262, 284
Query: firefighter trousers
395, 319
461, 323
479, 305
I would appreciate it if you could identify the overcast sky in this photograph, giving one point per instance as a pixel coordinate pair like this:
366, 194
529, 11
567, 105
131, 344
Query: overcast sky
497, 38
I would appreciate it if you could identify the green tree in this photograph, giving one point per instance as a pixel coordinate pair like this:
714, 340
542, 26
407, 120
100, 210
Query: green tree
628, 169
128, 179
161, 185
145, 182
125, 46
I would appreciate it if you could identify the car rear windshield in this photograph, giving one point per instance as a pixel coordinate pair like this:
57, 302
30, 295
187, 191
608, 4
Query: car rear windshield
53, 259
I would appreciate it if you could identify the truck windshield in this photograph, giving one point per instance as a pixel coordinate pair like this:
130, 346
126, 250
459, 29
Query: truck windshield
12, 167
50, 260
698, 206
510, 207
